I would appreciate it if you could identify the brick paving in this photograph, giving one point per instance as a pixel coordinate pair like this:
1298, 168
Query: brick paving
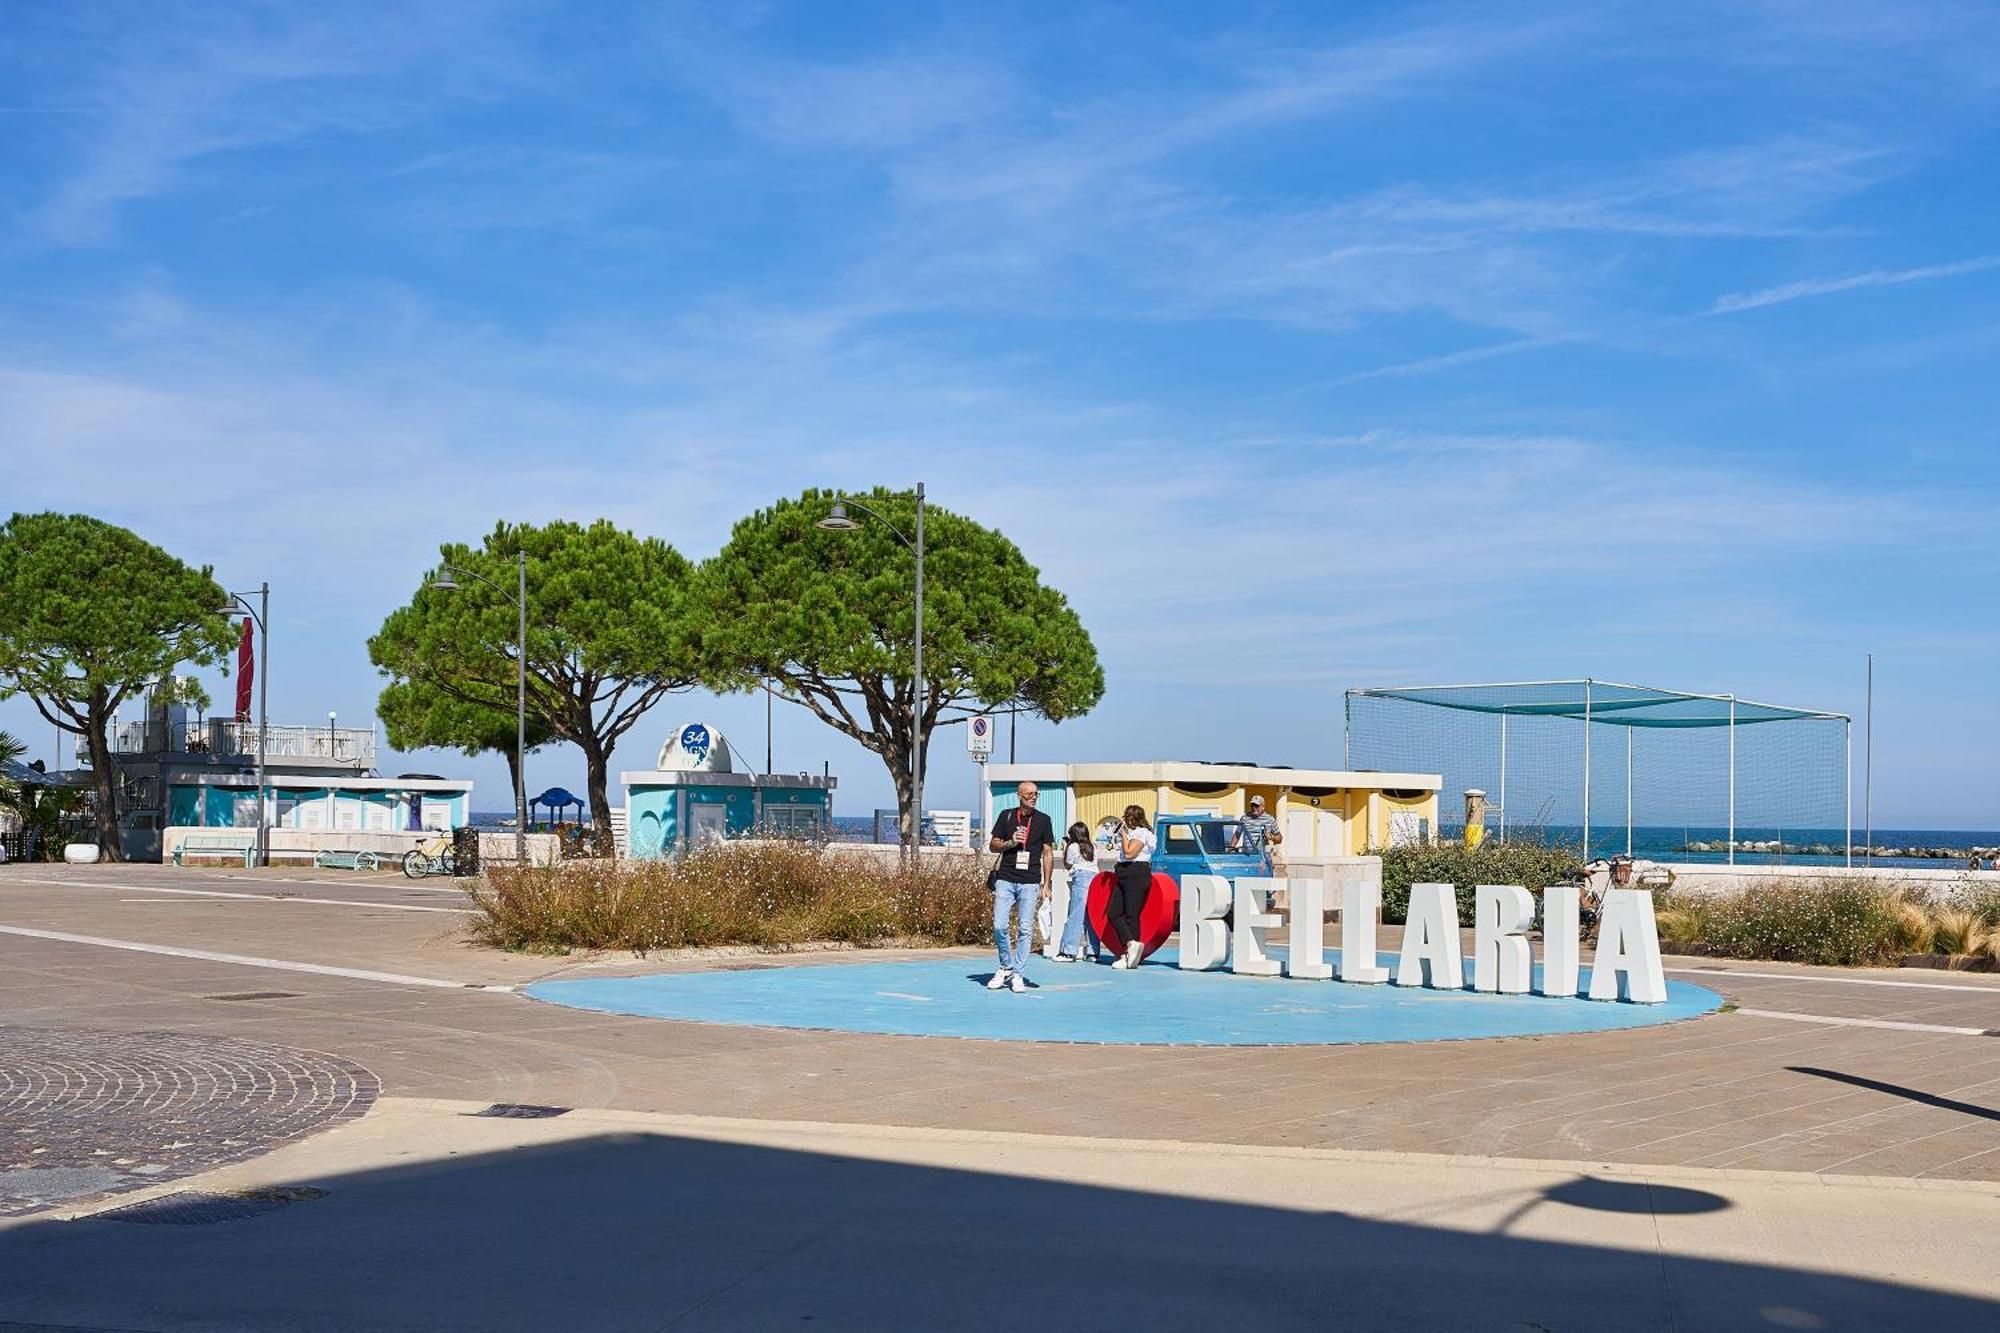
86, 1112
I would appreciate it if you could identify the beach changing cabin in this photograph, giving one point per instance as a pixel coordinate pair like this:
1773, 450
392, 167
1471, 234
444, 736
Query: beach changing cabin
695, 795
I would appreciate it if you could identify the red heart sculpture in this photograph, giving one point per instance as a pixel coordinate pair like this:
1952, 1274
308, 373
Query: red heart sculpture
1159, 918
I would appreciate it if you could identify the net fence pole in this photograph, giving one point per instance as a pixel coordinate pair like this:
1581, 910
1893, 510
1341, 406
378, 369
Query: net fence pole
1847, 789
1628, 791
1503, 777
1586, 770
1732, 779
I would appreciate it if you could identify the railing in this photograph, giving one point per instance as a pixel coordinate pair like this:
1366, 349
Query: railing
350, 746
344, 747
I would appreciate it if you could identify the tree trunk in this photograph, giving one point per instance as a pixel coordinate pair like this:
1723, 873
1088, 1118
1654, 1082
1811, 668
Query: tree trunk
596, 765
104, 777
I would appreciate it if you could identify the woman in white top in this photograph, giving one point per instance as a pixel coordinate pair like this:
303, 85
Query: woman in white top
1134, 873
1080, 864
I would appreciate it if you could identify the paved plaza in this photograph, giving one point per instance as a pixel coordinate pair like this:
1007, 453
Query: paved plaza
1826, 1147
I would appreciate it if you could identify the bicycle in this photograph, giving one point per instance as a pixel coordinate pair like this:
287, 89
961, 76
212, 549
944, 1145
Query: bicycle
433, 856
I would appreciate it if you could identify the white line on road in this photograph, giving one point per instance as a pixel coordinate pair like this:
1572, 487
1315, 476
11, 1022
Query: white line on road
256, 897
1971, 987
280, 964
903, 995
1867, 1023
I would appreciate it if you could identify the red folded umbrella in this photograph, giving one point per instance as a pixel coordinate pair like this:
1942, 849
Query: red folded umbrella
246, 672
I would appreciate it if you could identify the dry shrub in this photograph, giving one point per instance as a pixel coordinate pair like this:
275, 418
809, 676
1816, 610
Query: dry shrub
1683, 922
767, 894
1912, 923
1836, 922
1960, 930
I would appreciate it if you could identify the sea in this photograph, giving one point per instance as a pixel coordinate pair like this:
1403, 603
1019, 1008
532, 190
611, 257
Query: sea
1649, 842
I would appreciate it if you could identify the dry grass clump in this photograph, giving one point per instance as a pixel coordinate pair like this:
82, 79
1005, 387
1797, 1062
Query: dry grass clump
1843, 922
772, 895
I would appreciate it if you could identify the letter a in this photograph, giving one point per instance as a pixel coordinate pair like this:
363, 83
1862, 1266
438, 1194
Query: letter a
1431, 956
1627, 963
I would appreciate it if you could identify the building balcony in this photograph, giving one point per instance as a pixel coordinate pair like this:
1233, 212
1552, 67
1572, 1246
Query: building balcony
349, 748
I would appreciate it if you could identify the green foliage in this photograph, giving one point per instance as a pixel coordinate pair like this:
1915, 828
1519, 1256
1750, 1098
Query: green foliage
1835, 922
417, 715
771, 895
89, 613
608, 636
1533, 865
830, 618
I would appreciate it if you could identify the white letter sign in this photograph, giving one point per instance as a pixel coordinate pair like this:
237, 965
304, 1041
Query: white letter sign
1360, 905
1431, 956
1307, 959
1501, 958
1246, 955
1561, 937
1204, 939
1627, 963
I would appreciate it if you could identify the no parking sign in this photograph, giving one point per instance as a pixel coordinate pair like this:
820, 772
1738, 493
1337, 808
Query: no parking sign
979, 739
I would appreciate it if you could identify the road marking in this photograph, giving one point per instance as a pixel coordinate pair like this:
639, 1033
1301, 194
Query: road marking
1973, 987
244, 960
1870, 1023
901, 995
260, 897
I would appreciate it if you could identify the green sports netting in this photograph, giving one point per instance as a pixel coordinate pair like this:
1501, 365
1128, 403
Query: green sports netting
1666, 774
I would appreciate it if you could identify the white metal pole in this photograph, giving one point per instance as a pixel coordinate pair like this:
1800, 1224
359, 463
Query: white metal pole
1503, 777
1847, 789
1868, 771
1586, 770
1628, 791
917, 758
1732, 780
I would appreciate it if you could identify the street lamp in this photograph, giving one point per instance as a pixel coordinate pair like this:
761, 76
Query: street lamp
261, 614
447, 583
837, 520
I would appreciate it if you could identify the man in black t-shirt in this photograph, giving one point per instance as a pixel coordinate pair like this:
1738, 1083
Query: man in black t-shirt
1026, 843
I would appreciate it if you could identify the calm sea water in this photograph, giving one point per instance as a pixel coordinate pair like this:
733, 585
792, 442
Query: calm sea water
1654, 843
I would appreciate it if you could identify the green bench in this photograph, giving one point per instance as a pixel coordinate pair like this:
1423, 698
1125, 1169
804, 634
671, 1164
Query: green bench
218, 844
347, 861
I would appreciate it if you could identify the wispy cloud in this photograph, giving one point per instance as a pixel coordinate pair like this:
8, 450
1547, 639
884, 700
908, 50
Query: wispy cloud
1797, 291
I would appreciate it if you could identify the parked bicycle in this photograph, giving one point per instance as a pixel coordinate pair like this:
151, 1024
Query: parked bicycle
433, 856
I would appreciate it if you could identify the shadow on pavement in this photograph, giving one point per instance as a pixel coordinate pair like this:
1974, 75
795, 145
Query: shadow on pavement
646, 1231
1898, 1090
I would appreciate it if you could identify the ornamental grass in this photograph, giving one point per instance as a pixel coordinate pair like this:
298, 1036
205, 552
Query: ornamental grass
762, 894
1834, 921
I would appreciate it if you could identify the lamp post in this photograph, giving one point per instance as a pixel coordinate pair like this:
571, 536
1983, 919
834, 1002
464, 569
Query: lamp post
520, 600
838, 521
261, 614
331, 718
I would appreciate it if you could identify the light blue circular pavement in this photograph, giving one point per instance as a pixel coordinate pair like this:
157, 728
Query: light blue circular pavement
1073, 1002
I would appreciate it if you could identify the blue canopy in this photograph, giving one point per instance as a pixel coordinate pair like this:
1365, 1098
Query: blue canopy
558, 797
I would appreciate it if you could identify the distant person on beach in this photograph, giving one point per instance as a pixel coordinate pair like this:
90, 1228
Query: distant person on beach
1134, 883
1080, 864
1025, 840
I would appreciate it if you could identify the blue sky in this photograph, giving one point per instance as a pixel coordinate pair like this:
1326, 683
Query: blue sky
1303, 346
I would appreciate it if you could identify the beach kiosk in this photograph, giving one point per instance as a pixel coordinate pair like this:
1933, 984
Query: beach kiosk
694, 794
1321, 812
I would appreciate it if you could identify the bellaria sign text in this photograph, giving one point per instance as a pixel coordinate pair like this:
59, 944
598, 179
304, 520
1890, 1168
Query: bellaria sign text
1625, 966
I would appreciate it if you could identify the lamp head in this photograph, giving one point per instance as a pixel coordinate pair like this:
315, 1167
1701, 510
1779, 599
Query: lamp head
444, 583
837, 519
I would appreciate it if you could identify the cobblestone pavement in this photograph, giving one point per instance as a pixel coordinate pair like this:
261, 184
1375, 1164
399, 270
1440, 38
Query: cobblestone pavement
86, 1112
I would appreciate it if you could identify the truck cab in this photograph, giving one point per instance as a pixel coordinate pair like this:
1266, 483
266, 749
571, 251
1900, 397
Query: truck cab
1205, 845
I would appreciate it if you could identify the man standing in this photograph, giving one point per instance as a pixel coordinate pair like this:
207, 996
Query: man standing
1026, 842
1260, 831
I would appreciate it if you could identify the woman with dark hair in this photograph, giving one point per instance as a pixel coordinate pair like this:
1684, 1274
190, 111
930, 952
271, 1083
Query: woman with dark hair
1079, 867
1134, 882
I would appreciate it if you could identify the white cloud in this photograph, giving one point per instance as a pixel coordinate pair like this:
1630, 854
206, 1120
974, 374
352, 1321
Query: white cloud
1796, 291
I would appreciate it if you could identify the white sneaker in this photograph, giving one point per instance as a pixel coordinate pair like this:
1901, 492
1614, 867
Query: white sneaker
1133, 953
1119, 963
998, 980
1016, 984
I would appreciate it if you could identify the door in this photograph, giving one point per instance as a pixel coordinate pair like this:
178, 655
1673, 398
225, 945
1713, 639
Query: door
1299, 833
711, 823
1330, 835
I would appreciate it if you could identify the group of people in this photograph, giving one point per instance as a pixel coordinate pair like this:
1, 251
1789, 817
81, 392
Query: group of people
1023, 879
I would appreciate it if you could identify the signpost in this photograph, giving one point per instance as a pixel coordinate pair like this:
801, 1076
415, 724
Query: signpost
979, 739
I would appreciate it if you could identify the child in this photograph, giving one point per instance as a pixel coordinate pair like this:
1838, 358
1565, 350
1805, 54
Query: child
1080, 864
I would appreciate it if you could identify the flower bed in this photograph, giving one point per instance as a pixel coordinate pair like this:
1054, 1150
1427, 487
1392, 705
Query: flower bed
771, 895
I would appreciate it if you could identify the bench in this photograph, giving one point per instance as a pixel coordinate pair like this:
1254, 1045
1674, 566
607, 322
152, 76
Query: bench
218, 844
347, 861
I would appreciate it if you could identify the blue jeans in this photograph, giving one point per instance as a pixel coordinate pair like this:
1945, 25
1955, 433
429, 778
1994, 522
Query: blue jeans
1010, 898
1077, 921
